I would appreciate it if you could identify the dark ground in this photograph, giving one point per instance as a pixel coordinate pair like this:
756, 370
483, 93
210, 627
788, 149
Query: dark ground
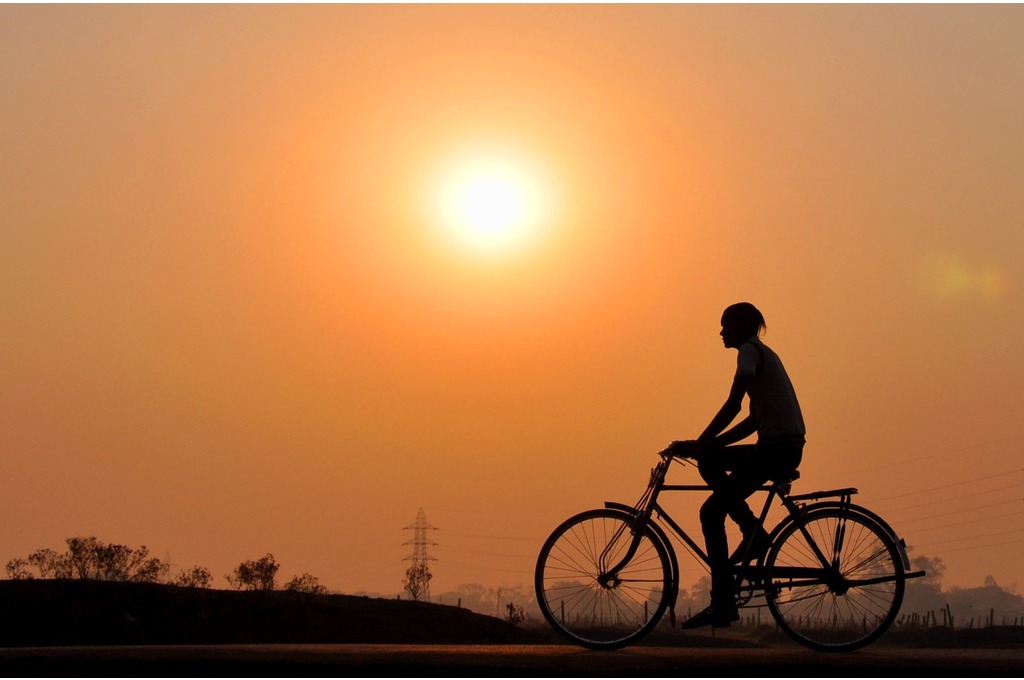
93, 629
56, 613
500, 661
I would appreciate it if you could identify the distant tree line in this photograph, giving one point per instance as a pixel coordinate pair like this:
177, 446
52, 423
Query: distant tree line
91, 558
925, 602
515, 604
261, 574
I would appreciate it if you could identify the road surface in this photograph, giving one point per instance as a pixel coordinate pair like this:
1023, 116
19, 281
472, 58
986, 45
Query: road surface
500, 660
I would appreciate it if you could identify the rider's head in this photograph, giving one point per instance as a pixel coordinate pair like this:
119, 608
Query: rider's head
740, 322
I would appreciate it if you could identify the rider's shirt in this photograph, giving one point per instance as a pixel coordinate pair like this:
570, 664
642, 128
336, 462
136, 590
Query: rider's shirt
772, 398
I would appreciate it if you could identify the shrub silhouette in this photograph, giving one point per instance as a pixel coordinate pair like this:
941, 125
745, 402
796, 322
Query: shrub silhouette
196, 577
307, 583
258, 574
91, 558
514, 614
417, 580
88, 558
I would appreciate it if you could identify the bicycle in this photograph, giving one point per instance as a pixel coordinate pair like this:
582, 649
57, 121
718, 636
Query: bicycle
833, 577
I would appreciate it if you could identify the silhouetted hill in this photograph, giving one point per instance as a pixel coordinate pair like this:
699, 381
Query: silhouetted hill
76, 612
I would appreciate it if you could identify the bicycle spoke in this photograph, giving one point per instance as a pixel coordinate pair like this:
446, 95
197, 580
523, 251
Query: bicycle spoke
856, 599
585, 602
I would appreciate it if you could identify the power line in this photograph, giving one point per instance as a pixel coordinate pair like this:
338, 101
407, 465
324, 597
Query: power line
955, 498
478, 567
941, 454
488, 553
980, 507
494, 538
989, 518
947, 486
971, 538
976, 547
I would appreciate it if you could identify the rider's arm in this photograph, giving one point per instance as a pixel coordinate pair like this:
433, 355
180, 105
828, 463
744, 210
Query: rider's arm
713, 432
740, 431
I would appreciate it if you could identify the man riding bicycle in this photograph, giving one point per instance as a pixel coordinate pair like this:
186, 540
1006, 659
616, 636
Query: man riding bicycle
733, 471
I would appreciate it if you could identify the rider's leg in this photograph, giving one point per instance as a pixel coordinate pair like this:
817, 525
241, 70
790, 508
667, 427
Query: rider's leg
728, 498
747, 475
712, 524
753, 469
722, 611
723, 600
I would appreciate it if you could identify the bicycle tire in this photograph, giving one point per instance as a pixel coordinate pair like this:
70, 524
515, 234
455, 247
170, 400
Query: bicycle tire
576, 599
852, 508
854, 608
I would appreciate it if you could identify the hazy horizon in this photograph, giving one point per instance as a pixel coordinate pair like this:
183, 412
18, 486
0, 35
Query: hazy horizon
253, 300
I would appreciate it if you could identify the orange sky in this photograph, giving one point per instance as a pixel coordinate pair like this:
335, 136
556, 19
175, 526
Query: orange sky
231, 324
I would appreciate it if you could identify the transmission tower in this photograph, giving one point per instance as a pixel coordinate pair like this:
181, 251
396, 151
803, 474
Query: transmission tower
417, 576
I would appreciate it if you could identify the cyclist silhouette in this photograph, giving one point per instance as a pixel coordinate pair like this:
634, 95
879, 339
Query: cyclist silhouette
733, 471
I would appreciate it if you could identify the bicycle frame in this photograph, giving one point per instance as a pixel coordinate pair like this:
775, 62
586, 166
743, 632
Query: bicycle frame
833, 575
826, 574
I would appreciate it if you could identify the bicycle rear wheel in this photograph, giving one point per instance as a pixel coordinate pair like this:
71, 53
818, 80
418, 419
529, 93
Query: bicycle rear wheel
850, 602
586, 603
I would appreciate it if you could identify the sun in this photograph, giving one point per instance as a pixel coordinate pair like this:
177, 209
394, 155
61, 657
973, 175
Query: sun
490, 206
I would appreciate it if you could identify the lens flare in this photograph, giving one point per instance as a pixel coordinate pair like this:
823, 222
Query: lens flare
945, 276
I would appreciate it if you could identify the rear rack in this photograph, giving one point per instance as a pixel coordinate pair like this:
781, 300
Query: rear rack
834, 493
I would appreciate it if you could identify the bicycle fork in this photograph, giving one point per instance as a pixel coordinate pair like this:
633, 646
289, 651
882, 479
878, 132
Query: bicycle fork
609, 577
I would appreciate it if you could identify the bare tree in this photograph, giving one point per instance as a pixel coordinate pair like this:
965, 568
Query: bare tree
258, 574
925, 594
83, 557
307, 583
17, 569
50, 563
196, 577
148, 569
417, 580
94, 559
514, 613
91, 558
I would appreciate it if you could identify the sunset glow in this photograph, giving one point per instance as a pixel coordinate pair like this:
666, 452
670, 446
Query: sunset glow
490, 207
274, 277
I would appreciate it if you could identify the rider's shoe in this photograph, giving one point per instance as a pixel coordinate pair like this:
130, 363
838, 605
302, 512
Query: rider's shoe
718, 617
759, 544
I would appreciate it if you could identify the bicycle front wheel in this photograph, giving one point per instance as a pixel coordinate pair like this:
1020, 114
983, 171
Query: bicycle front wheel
845, 603
585, 598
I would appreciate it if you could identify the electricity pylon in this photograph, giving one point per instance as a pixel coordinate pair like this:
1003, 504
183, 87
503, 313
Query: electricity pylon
417, 576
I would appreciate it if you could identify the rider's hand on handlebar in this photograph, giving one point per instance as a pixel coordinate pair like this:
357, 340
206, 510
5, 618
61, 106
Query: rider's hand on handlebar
685, 449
